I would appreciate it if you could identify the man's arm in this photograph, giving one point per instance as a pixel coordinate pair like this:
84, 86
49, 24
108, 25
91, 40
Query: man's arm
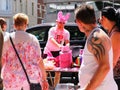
67, 42
99, 45
51, 34
55, 42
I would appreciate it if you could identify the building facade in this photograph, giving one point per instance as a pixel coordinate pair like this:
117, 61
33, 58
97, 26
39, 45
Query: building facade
8, 8
53, 6
66, 6
41, 9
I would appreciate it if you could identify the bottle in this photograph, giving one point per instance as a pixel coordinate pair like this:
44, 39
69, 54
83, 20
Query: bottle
77, 62
81, 55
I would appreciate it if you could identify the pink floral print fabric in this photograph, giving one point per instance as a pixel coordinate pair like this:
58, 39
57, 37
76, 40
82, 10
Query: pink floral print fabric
12, 72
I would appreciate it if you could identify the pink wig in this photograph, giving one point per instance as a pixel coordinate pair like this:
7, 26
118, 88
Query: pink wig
62, 18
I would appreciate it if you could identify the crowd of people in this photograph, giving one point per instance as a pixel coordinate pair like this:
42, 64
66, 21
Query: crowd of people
100, 68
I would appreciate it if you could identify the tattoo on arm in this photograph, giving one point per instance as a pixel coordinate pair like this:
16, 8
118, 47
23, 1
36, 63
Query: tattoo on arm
97, 46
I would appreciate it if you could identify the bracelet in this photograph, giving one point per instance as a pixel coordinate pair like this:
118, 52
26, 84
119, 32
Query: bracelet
44, 80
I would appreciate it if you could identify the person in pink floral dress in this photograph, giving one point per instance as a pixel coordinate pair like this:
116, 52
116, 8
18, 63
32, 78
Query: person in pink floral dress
29, 51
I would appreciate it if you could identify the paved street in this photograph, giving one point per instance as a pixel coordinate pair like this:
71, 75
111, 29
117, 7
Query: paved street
65, 86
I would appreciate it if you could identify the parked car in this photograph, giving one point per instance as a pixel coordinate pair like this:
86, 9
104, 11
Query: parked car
77, 41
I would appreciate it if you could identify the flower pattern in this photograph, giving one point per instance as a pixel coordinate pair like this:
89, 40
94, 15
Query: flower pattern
12, 71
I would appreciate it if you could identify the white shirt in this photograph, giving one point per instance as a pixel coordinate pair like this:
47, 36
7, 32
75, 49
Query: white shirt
59, 35
89, 67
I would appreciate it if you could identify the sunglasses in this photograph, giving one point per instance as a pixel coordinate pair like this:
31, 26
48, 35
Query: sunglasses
61, 22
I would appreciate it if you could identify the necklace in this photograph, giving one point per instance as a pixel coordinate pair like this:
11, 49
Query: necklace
110, 33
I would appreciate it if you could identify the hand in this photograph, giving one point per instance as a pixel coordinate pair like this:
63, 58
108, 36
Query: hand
65, 48
61, 46
45, 85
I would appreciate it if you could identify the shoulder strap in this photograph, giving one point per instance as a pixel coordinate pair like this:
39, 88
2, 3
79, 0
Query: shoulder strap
19, 60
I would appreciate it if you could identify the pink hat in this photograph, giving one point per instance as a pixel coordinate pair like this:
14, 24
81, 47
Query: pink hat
62, 18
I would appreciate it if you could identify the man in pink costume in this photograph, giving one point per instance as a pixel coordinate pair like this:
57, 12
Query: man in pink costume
57, 37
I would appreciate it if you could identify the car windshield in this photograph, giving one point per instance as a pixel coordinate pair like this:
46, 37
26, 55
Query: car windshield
41, 32
75, 33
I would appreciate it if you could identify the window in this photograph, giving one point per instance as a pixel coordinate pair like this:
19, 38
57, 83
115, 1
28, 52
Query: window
15, 6
75, 34
41, 33
32, 8
21, 5
4, 5
41, 10
26, 7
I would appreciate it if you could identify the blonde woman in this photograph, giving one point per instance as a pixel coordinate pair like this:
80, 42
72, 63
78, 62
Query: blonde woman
29, 51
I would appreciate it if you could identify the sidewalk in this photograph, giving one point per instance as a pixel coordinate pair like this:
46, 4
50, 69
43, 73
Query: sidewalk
65, 86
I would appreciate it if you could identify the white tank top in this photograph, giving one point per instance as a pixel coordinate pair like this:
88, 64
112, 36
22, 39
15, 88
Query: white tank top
89, 67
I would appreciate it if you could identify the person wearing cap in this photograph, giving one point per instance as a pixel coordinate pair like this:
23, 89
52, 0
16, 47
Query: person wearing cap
57, 37
110, 20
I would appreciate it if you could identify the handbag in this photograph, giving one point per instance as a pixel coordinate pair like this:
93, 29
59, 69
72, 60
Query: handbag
33, 86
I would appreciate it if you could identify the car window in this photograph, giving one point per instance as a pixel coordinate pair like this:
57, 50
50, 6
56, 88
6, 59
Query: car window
41, 33
75, 33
